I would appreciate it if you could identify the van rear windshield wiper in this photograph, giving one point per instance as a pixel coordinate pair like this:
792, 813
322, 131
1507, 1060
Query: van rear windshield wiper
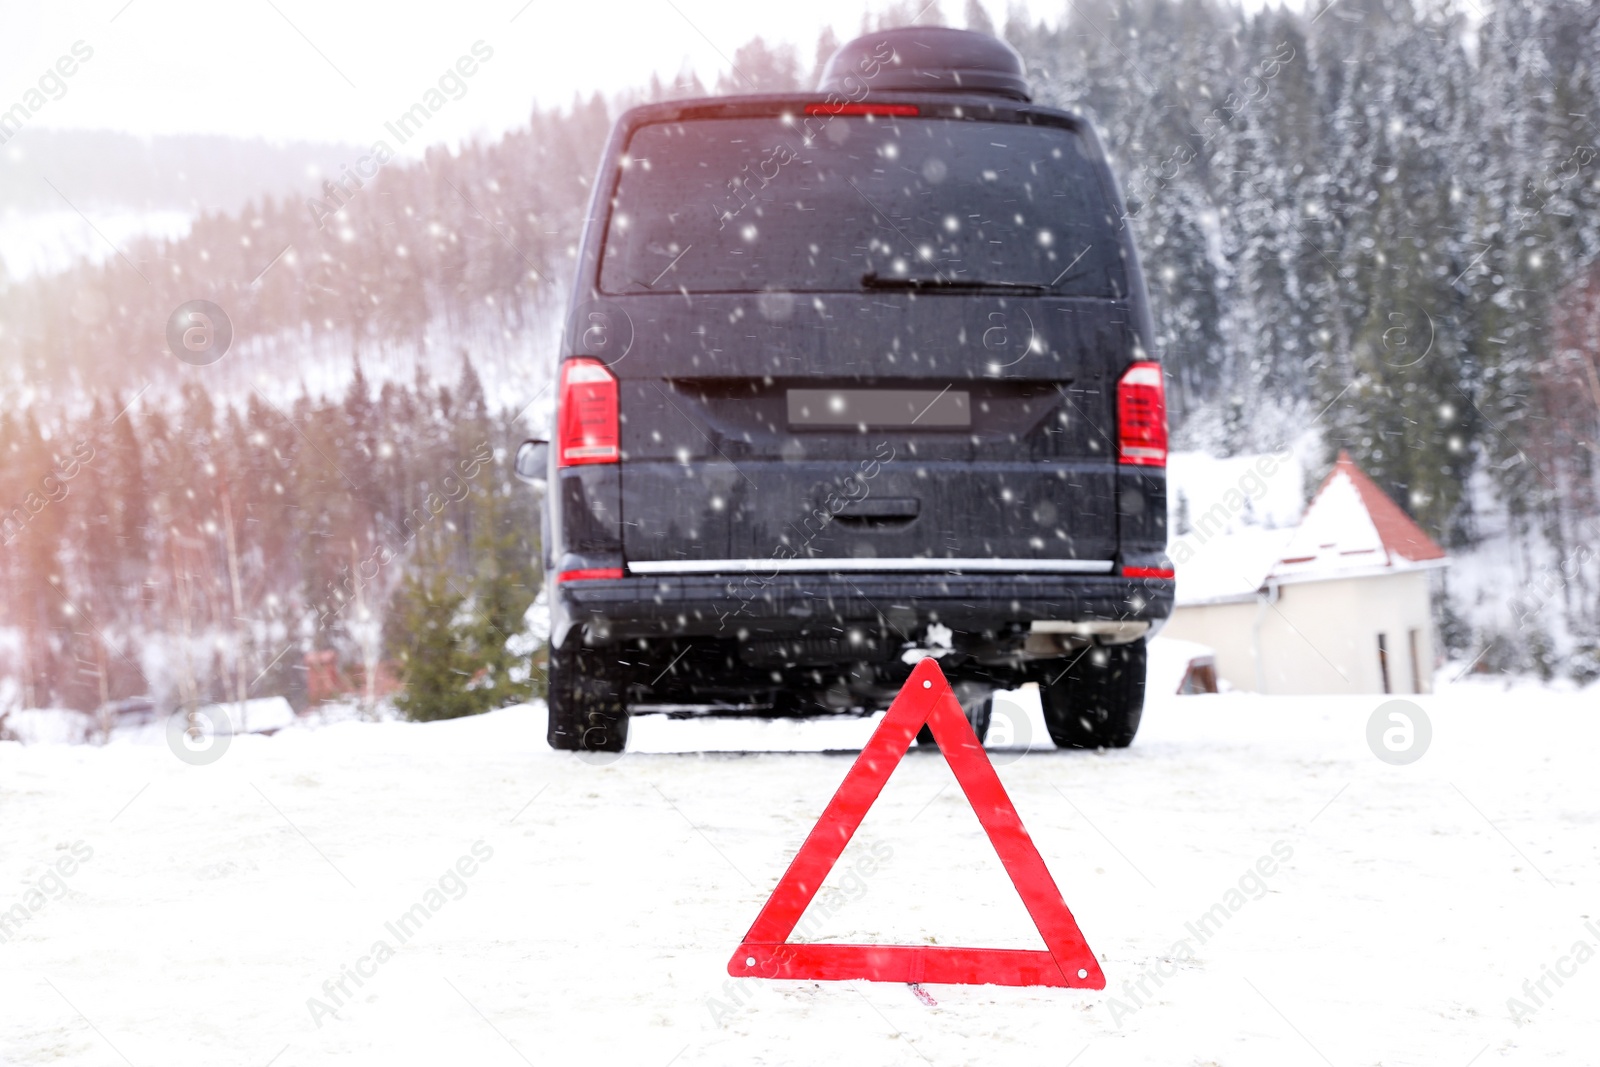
874, 280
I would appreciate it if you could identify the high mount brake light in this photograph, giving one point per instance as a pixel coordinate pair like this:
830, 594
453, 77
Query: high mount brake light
892, 110
1142, 416
588, 420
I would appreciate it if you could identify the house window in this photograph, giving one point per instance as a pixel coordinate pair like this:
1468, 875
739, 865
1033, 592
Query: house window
1383, 661
1415, 640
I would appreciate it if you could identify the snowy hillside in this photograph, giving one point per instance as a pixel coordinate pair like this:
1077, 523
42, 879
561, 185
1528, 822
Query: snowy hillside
48, 242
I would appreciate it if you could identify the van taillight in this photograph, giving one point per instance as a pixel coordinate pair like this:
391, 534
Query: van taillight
588, 422
589, 574
1142, 416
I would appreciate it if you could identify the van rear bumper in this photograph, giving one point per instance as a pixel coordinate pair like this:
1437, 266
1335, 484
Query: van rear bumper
723, 605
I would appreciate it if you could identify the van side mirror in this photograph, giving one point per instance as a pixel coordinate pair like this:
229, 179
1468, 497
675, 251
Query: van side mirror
533, 463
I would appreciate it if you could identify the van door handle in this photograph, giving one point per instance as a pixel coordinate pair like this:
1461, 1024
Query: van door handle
880, 509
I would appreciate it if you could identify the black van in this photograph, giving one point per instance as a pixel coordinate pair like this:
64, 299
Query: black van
850, 378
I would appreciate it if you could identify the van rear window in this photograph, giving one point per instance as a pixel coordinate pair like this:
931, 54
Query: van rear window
749, 204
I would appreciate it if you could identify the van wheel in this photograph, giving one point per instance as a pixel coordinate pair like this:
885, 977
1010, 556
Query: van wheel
587, 713
979, 706
1097, 701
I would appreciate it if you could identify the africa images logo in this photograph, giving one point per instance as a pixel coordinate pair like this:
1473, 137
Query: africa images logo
199, 332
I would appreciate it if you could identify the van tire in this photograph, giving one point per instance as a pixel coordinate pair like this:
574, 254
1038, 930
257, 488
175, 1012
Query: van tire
979, 710
587, 712
1097, 700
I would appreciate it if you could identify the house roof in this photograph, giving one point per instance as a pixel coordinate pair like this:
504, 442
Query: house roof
1351, 523
1230, 566
1400, 533
1351, 528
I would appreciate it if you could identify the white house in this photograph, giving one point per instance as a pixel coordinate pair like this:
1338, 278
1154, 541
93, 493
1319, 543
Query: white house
1338, 604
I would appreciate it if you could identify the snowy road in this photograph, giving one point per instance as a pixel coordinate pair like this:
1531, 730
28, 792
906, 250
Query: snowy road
484, 900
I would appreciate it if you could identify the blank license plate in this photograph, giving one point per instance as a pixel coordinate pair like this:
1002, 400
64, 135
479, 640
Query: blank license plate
931, 408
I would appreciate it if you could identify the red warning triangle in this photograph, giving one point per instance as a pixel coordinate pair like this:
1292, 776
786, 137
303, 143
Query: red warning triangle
1066, 959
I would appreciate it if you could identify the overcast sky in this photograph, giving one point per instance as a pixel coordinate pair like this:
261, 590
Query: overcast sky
336, 70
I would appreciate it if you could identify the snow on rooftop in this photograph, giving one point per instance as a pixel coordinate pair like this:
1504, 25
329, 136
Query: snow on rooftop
255, 715
1230, 567
1336, 532
1351, 524
1349, 527
48, 726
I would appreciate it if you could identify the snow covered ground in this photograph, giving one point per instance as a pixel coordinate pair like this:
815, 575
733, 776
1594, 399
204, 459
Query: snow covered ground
501, 903
48, 242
